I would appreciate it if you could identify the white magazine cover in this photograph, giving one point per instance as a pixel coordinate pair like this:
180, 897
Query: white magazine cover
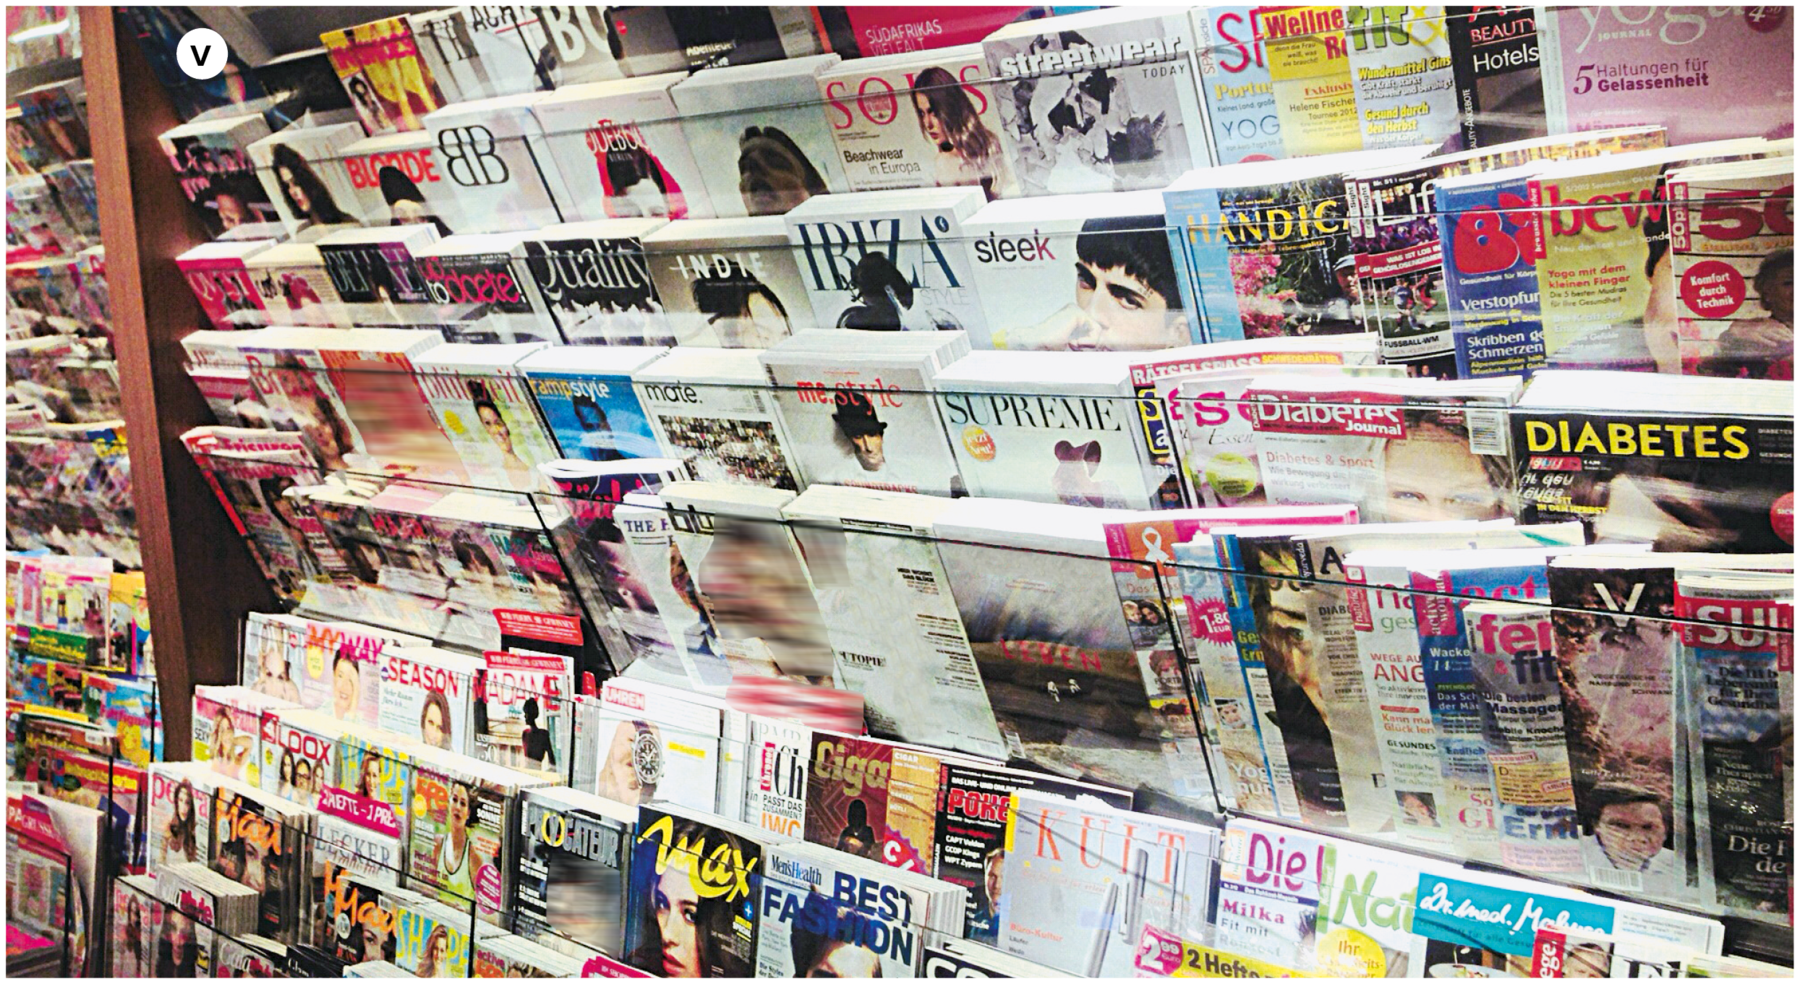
893, 624
428, 695
1401, 450
514, 48
1103, 100
1079, 272
751, 578
758, 136
889, 260
824, 913
483, 405
715, 406
1083, 879
1405, 82
1050, 427
620, 150
653, 747
918, 119
858, 408
298, 167
493, 155
728, 283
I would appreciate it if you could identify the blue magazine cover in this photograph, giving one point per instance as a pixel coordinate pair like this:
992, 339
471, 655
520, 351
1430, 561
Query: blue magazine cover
1490, 274
586, 398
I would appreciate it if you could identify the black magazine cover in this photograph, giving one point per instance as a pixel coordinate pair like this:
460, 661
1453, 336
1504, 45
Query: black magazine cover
571, 878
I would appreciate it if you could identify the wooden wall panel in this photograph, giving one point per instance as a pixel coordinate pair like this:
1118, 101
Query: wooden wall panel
198, 572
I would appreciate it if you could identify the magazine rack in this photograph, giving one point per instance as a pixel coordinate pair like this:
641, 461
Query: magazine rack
200, 579
40, 913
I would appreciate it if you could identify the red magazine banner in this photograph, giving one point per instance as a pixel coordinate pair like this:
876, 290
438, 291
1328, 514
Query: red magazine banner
544, 627
601, 965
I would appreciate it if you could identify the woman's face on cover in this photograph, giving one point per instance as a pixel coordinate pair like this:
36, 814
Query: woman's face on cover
431, 727
345, 689
1433, 476
841, 960
1778, 295
296, 191
677, 912
1122, 312
760, 325
459, 807
232, 212
496, 427
930, 123
408, 212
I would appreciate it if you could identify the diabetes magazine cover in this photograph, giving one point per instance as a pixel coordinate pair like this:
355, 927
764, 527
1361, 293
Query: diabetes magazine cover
1724, 487
1060, 668
691, 910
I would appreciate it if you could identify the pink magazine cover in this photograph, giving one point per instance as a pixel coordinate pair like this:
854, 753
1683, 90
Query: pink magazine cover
1705, 73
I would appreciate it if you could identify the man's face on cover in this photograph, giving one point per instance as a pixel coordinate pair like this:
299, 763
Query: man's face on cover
869, 453
1630, 832
1123, 312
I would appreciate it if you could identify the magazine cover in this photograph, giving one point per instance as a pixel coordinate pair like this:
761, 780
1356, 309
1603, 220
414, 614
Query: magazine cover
431, 941
299, 754
1081, 884
757, 135
1058, 660
1235, 84
400, 181
1366, 912
1741, 668
526, 712
1268, 249
260, 848
1614, 653
295, 289
1491, 284
458, 840
1310, 77
389, 84
1496, 56
479, 291
1517, 696
847, 794
891, 618
1578, 465
427, 695
1702, 72
822, 917
226, 733
588, 400
1103, 100
1270, 882
1404, 76
137, 924
212, 161
917, 119
374, 770
974, 810
888, 260
484, 406
362, 916
711, 876
221, 282
572, 873
1093, 273
1400, 452
657, 757
728, 283
179, 814
493, 152
300, 171
775, 793
713, 407
593, 278
620, 150
1050, 427
859, 412
1735, 313
517, 49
